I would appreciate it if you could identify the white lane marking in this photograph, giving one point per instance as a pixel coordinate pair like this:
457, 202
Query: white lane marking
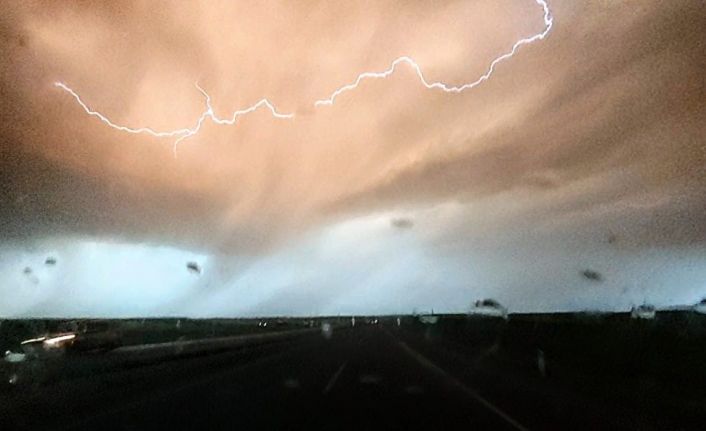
454, 382
332, 380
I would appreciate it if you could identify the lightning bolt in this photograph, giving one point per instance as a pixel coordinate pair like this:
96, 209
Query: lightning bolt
183, 133
548, 23
209, 113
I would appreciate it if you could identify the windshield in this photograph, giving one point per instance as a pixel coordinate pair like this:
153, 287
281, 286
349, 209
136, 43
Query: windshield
494, 202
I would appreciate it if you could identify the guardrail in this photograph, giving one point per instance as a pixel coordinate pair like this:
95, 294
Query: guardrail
64, 368
203, 345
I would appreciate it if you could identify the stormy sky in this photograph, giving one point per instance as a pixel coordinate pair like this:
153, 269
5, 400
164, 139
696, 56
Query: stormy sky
573, 179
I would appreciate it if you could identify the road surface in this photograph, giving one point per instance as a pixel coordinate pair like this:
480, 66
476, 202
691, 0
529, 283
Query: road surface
529, 372
360, 378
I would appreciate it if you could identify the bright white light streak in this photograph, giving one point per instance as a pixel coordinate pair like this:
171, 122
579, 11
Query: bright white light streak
182, 133
59, 339
548, 23
33, 340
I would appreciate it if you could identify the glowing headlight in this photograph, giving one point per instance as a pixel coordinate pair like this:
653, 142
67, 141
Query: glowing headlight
59, 341
33, 340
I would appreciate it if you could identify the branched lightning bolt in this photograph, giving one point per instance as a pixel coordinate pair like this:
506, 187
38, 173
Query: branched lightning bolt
180, 134
184, 133
548, 23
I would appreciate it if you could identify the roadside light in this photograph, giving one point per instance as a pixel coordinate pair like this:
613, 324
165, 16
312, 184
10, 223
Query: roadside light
58, 341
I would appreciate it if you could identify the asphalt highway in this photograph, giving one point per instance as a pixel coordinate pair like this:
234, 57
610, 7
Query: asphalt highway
460, 373
359, 378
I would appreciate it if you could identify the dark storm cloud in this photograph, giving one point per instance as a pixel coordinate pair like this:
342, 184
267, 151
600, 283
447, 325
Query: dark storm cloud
633, 107
595, 131
66, 173
43, 199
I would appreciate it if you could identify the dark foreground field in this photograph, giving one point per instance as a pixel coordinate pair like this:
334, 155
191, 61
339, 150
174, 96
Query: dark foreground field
529, 372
